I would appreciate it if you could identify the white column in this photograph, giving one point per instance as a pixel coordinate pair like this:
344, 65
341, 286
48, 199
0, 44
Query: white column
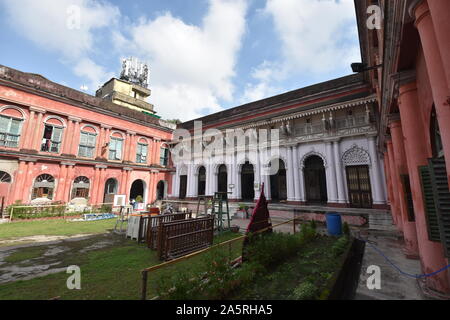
290, 175
265, 177
296, 172
208, 179
238, 181
378, 193
301, 174
190, 177
235, 177
257, 169
341, 197
331, 176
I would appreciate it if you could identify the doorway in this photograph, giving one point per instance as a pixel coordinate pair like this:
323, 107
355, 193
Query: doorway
278, 188
247, 182
358, 183
222, 179
183, 186
315, 181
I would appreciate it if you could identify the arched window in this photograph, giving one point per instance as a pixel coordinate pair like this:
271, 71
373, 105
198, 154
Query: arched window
43, 187
88, 140
164, 156
115, 146
53, 131
141, 151
10, 127
81, 187
5, 177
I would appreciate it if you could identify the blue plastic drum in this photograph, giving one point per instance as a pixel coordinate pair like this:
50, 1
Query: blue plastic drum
334, 224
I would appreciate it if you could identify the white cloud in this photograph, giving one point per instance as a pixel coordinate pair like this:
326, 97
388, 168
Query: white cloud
95, 74
266, 74
191, 67
52, 25
318, 36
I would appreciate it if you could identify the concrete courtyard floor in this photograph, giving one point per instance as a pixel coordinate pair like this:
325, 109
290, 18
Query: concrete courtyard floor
394, 285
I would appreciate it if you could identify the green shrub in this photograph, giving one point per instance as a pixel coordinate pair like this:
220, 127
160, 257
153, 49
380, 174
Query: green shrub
346, 229
305, 291
339, 246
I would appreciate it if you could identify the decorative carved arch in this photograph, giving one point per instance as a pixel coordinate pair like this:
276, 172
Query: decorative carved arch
356, 156
313, 153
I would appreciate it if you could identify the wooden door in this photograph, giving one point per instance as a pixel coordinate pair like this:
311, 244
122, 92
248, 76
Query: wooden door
359, 190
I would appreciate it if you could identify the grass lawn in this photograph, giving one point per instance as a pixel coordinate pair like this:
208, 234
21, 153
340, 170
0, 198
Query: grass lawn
53, 228
108, 273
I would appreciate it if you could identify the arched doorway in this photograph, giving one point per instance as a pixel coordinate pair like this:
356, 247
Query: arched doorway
247, 182
43, 187
278, 188
222, 179
201, 181
80, 188
5, 183
315, 180
110, 190
160, 190
137, 191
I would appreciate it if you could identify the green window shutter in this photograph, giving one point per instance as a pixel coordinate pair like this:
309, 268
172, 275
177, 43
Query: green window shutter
442, 199
434, 233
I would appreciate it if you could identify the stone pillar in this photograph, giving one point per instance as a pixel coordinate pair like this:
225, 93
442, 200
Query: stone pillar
401, 167
27, 134
75, 137
66, 195
341, 196
37, 136
95, 186
239, 181
439, 14
431, 253
19, 179
189, 181
257, 169
395, 204
377, 188
302, 182
296, 172
387, 169
100, 143
436, 72
331, 174
61, 182
101, 183
291, 175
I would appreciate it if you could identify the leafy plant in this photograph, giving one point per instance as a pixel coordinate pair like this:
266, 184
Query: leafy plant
346, 229
305, 291
339, 246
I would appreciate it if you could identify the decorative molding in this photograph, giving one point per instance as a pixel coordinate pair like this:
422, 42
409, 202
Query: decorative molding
74, 119
313, 153
356, 156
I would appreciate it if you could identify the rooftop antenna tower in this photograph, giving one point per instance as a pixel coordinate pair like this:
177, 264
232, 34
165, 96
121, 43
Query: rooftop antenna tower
135, 71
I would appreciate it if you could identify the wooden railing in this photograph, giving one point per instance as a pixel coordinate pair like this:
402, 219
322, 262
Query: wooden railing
176, 239
151, 226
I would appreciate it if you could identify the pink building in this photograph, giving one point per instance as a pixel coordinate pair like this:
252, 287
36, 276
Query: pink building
58, 144
413, 90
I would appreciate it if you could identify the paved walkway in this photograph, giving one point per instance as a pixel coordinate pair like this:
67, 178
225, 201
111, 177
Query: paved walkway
394, 285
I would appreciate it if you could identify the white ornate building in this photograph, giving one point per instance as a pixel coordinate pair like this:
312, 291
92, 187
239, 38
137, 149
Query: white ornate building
326, 152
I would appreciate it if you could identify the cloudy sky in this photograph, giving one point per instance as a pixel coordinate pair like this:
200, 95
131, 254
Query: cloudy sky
204, 55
